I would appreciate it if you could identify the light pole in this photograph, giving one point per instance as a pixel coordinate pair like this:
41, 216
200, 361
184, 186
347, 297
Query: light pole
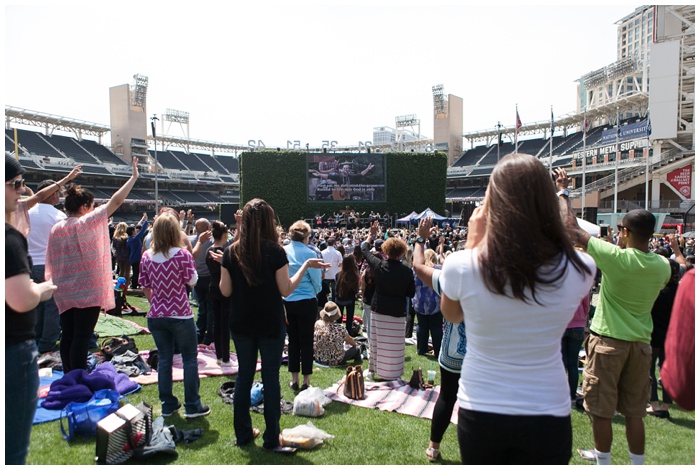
155, 146
617, 159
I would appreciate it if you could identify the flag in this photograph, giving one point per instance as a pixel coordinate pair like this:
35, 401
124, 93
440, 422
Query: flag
618, 125
551, 128
648, 125
153, 128
585, 126
518, 123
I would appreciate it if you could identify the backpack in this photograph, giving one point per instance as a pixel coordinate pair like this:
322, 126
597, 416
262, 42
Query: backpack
354, 383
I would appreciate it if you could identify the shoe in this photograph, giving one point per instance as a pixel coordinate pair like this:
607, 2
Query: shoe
369, 375
203, 411
660, 414
294, 386
226, 364
433, 454
304, 387
166, 415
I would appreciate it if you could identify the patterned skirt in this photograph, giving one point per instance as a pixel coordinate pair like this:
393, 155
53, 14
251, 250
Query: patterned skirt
387, 346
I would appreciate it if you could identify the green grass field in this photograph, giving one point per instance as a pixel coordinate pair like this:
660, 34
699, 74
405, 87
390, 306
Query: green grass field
362, 436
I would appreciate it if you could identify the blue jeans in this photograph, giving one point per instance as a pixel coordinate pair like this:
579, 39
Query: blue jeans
247, 348
205, 317
21, 396
167, 332
570, 347
48, 323
429, 325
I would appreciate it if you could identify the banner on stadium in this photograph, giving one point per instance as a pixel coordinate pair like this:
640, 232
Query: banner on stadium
346, 177
632, 131
680, 179
610, 149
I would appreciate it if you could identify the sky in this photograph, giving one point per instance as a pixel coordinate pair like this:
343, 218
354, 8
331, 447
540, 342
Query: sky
279, 72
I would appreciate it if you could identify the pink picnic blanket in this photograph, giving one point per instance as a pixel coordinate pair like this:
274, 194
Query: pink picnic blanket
206, 363
396, 395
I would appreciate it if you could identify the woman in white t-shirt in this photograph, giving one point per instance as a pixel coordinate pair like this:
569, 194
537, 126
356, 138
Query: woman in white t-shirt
516, 288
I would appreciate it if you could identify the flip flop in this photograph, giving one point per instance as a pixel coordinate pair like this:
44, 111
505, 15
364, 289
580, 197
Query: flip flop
282, 449
256, 433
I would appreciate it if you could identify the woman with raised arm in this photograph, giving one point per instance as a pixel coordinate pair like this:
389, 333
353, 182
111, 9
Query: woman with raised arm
22, 295
255, 274
393, 285
78, 261
515, 300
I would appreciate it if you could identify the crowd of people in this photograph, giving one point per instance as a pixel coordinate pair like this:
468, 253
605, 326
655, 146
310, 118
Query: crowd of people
506, 321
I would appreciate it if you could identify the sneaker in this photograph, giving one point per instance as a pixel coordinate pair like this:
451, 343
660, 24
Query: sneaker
203, 411
166, 415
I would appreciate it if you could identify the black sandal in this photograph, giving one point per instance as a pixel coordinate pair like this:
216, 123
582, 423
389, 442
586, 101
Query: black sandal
294, 386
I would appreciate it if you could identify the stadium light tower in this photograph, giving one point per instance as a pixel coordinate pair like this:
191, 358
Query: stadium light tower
139, 90
403, 122
439, 105
179, 117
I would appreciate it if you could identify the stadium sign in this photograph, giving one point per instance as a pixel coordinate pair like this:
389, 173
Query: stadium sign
629, 132
610, 149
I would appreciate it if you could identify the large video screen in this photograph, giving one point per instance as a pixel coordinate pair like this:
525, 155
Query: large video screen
346, 177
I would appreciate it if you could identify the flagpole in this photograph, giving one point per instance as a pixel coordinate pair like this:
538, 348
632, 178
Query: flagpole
646, 174
155, 146
583, 170
551, 138
617, 159
517, 117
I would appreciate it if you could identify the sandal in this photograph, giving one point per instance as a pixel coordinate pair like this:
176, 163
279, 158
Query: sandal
294, 386
433, 454
256, 433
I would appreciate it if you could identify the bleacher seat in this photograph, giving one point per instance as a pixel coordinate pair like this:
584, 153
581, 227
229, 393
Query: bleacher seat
230, 163
71, 149
34, 143
101, 152
191, 161
167, 160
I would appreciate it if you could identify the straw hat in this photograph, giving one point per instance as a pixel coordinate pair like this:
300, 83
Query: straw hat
330, 312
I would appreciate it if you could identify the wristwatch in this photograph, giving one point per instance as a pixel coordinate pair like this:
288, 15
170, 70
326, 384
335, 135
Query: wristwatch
563, 192
420, 240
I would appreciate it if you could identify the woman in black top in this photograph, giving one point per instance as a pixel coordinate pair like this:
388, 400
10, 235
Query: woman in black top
22, 296
255, 274
347, 286
393, 284
221, 304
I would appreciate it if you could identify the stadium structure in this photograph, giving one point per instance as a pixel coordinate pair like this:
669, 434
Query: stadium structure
630, 143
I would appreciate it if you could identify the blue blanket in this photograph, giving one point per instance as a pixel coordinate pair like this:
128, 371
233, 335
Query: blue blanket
44, 415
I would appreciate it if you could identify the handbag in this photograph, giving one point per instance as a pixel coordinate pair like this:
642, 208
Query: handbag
417, 380
124, 433
354, 383
83, 417
117, 345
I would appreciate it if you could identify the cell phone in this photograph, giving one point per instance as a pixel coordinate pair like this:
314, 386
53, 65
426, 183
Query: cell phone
604, 230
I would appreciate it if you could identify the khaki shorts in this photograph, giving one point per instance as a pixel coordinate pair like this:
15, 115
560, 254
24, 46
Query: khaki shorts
616, 377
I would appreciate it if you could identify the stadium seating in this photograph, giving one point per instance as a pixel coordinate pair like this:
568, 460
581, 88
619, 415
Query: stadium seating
34, 143
101, 152
167, 160
230, 163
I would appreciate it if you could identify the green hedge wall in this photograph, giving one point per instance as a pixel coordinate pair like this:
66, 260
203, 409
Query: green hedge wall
414, 182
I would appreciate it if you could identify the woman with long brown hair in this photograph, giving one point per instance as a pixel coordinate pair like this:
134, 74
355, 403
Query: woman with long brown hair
255, 274
346, 287
515, 287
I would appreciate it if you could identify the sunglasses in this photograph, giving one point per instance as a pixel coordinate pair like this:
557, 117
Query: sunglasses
16, 184
620, 227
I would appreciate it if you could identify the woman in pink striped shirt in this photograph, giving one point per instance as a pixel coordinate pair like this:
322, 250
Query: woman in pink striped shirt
78, 261
166, 268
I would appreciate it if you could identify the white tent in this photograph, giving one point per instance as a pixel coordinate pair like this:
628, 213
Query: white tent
405, 220
428, 213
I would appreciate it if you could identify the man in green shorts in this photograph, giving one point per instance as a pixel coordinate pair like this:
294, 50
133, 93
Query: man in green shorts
618, 350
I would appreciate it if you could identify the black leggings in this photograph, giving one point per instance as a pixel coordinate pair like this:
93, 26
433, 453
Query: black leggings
77, 325
301, 316
442, 413
222, 336
495, 439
